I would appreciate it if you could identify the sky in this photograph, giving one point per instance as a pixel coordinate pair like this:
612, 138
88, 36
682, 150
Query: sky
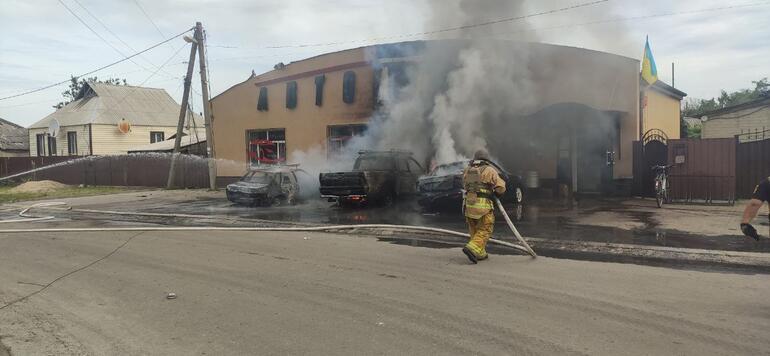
713, 47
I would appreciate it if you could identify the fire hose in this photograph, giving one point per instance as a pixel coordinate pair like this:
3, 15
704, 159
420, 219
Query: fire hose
525, 249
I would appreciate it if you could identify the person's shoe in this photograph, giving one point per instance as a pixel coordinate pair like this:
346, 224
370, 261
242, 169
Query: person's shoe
470, 255
482, 258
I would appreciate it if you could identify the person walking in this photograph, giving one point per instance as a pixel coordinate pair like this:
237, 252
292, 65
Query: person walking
760, 196
480, 180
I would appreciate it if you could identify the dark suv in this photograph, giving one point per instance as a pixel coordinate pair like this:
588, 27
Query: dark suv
377, 176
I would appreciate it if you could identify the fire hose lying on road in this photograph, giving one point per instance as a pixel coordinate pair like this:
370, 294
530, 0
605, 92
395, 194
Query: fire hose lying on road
525, 248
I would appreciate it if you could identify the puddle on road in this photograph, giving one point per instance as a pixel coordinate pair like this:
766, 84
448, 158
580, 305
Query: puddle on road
493, 250
542, 220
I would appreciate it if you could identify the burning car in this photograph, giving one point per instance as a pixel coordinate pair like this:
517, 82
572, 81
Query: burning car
442, 188
378, 176
268, 186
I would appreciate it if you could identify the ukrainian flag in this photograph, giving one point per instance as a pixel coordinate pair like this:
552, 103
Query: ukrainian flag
649, 71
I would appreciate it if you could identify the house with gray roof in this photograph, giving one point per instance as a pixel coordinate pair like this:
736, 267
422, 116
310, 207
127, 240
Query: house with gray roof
14, 140
108, 119
748, 121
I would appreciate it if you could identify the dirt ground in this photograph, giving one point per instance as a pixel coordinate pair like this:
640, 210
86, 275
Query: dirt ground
38, 186
310, 293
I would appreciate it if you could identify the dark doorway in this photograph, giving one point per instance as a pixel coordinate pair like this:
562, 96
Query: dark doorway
596, 139
655, 153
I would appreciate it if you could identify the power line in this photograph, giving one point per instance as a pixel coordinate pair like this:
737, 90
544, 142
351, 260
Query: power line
149, 18
643, 17
113, 35
432, 32
98, 69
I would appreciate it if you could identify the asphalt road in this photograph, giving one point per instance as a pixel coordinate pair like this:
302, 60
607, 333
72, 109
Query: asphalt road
294, 293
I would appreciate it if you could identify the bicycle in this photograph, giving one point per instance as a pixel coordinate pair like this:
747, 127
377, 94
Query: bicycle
661, 184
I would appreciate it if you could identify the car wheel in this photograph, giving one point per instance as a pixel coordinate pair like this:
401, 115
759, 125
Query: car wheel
518, 195
278, 201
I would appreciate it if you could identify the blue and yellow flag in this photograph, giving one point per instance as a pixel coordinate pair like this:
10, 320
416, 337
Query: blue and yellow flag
649, 71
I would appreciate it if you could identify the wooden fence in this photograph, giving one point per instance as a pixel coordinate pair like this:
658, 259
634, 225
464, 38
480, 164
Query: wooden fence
143, 170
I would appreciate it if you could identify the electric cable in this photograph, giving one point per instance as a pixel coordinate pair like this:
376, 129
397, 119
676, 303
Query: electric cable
97, 69
118, 38
442, 30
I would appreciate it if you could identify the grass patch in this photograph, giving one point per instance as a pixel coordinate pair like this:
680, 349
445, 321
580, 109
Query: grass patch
6, 196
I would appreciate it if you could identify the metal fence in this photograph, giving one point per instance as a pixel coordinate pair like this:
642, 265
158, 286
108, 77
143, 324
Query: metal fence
143, 170
752, 165
703, 170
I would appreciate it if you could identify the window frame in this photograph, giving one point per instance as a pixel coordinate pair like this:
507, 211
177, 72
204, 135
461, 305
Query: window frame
349, 87
320, 80
72, 143
280, 145
262, 100
51, 141
154, 133
291, 95
40, 144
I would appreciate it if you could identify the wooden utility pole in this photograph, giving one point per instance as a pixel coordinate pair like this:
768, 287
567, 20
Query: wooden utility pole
182, 114
201, 38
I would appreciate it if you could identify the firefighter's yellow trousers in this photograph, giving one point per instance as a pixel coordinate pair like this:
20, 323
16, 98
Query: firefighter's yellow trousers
480, 231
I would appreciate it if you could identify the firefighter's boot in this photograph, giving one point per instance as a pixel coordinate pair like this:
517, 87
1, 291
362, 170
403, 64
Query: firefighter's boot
482, 228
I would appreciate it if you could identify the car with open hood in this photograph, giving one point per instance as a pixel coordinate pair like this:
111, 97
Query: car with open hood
442, 188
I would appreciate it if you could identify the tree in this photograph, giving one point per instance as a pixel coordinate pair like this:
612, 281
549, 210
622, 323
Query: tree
697, 107
76, 84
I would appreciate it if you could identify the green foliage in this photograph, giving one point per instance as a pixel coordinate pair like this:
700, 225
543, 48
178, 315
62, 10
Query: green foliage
697, 107
77, 83
694, 131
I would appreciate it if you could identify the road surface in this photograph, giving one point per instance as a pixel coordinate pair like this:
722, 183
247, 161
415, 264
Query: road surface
298, 293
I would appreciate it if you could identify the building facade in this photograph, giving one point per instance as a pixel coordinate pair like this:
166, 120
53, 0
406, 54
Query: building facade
579, 132
107, 119
748, 121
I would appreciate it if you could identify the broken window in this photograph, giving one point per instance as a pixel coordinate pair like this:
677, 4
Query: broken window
319, 89
340, 135
262, 102
291, 95
349, 87
266, 146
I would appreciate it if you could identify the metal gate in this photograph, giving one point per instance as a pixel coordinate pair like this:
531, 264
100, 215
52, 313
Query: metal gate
703, 170
752, 163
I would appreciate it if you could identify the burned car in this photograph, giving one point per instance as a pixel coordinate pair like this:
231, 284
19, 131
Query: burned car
268, 186
442, 188
377, 176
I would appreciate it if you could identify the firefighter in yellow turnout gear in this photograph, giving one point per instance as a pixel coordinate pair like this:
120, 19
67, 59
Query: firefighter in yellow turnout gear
480, 180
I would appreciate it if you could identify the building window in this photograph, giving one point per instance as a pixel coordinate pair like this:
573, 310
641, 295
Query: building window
339, 136
319, 89
349, 87
262, 102
266, 146
291, 95
156, 136
72, 143
51, 146
40, 144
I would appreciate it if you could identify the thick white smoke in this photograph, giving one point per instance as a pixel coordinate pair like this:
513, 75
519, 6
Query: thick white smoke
460, 95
